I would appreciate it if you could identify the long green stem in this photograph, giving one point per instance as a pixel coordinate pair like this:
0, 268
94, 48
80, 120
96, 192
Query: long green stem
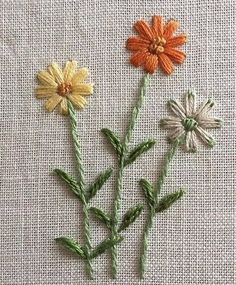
117, 203
151, 214
80, 168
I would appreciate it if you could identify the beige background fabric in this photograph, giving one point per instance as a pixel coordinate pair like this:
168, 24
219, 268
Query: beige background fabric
192, 243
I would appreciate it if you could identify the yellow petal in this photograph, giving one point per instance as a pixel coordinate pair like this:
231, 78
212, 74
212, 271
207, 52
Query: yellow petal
63, 107
52, 102
45, 91
46, 79
77, 100
55, 70
69, 70
83, 89
80, 76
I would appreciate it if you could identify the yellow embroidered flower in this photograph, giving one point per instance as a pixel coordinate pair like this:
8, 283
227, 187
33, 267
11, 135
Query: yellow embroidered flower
61, 85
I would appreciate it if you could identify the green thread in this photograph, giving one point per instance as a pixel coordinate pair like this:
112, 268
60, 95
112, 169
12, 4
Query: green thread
189, 124
131, 215
153, 207
80, 168
122, 160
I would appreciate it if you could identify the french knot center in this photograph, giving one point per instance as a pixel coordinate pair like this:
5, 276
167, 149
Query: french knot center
64, 89
189, 124
157, 46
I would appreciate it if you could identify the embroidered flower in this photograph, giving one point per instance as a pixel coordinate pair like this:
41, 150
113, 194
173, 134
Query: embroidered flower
156, 46
61, 85
191, 123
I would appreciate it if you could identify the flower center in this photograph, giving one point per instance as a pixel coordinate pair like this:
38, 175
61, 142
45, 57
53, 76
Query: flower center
157, 46
64, 89
189, 124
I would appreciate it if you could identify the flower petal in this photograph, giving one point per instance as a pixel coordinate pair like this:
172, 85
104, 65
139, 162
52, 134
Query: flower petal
151, 63
55, 70
46, 79
83, 89
52, 102
144, 30
137, 43
191, 142
139, 58
209, 122
204, 108
176, 134
166, 64
69, 70
170, 28
190, 103
177, 108
170, 123
176, 41
174, 54
157, 24
80, 76
77, 100
63, 107
205, 137
45, 91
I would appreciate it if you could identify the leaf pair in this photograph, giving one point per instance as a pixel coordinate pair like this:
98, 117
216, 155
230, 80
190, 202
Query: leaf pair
164, 203
75, 247
114, 140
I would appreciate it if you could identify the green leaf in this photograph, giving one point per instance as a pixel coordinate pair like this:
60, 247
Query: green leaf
102, 216
72, 245
168, 200
70, 181
104, 245
130, 216
99, 182
148, 192
140, 149
114, 141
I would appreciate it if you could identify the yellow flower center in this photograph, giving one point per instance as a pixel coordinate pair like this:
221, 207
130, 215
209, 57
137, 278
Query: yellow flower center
157, 46
64, 89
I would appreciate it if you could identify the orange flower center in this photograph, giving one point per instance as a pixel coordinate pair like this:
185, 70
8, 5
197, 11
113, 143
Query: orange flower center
64, 89
157, 46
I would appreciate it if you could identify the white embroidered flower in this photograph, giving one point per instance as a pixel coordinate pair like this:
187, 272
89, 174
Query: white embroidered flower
191, 123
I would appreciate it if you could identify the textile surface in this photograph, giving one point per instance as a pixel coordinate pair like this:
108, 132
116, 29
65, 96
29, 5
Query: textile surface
193, 242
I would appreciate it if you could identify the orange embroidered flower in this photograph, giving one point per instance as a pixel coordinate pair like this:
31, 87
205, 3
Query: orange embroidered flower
156, 45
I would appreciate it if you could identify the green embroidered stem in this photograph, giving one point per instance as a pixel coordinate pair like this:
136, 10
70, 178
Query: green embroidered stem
152, 209
117, 203
80, 168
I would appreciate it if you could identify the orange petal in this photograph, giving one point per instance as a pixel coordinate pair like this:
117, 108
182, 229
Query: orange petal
174, 54
136, 43
139, 58
144, 30
176, 41
170, 28
157, 24
151, 63
166, 64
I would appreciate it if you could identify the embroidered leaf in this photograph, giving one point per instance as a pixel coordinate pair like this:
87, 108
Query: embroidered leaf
70, 181
168, 200
114, 141
72, 245
148, 192
102, 216
140, 149
97, 185
104, 245
130, 216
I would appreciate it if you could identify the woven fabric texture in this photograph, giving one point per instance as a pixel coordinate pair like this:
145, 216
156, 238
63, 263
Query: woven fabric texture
193, 242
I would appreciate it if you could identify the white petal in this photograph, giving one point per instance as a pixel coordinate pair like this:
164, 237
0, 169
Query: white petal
176, 133
55, 70
209, 122
52, 102
177, 108
204, 108
69, 70
205, 137
190, 103
171, 123
191, 142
